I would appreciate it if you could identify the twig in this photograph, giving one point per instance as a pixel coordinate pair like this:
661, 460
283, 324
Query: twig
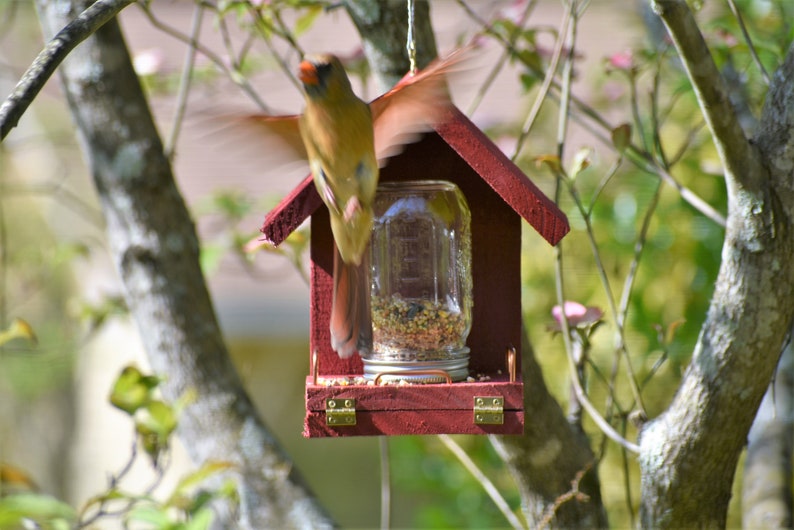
749, 41
233, 74
184, 82
740, 158
566, 329
491, 77
51, 56
573, 493
484, 481
544, 87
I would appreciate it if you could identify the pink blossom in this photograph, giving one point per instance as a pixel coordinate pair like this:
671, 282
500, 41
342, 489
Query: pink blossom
622, 60
577, 314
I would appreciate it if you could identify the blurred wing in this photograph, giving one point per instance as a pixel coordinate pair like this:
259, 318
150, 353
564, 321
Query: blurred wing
251, 139
285, 130
414, 105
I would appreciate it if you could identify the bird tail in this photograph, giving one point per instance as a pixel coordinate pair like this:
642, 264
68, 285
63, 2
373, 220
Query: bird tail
351, 318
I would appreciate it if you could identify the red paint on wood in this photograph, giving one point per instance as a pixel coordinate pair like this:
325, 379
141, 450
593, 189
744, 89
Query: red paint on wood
411, 422
455, 396
491, 164
499, 196
293, 210
414, 409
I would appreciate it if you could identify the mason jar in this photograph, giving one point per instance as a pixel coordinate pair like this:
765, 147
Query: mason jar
421, 282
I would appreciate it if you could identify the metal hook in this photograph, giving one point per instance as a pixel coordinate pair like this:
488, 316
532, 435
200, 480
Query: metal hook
511, 363
315, 367
411, 44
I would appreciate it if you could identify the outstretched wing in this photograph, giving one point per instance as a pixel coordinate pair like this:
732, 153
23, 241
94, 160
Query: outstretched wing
285, 130
414, 105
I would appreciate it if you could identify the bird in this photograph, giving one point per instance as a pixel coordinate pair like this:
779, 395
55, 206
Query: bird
346, 141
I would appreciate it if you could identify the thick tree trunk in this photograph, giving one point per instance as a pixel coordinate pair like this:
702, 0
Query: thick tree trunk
155, 248
766, 486
383, 26
689, 453
552, 463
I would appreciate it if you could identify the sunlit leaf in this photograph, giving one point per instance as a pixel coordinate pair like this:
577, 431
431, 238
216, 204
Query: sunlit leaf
552, 161
581, 161
160, 418
152, 515
201, 520
18, 329
206, 471
132, 390
306, 20
671, 329
46, 511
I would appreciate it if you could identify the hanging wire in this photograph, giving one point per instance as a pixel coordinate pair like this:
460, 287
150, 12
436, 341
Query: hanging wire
411, 44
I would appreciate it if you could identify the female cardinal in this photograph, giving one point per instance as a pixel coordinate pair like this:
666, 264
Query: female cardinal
344, 140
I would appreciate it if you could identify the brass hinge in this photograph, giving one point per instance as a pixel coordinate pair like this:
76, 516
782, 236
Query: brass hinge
489, 410
340, 412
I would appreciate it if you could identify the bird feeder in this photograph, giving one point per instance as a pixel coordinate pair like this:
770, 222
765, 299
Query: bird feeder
487, 398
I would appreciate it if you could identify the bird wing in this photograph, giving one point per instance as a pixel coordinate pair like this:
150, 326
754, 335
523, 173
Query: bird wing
284, 129
414, 105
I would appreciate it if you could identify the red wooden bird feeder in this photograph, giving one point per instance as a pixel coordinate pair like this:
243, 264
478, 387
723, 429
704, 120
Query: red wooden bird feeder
339, 402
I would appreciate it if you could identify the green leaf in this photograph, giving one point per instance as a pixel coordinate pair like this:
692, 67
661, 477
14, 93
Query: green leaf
155, 427
581, 161
306, 20
97, 314
201, 520
153, 515
45, 510
621, 137
160, 418
552, 161
18, 329
132, 390
528, 81
201, 474
210, 258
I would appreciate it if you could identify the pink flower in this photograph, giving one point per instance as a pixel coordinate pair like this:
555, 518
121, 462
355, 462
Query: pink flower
622, 60
579, 316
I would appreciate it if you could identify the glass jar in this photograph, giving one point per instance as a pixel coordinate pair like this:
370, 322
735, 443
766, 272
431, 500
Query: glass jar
421, 282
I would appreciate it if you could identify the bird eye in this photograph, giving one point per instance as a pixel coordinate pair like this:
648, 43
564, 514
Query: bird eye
323, 69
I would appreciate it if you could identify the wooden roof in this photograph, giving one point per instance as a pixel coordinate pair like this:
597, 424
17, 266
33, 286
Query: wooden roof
479, 152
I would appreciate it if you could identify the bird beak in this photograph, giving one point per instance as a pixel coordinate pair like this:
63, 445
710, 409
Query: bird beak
307, 73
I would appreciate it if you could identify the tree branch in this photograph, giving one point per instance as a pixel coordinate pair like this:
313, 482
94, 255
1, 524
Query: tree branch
766, 487
740, 159
155, 248
689, 453
383, 25
75, 32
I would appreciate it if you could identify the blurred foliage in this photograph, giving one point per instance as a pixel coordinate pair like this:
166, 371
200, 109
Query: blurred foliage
186, 507
611, 200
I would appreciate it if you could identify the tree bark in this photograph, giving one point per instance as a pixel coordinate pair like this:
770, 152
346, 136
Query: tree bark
383, 26
552, 462
766, 485
154, 246
689, 453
